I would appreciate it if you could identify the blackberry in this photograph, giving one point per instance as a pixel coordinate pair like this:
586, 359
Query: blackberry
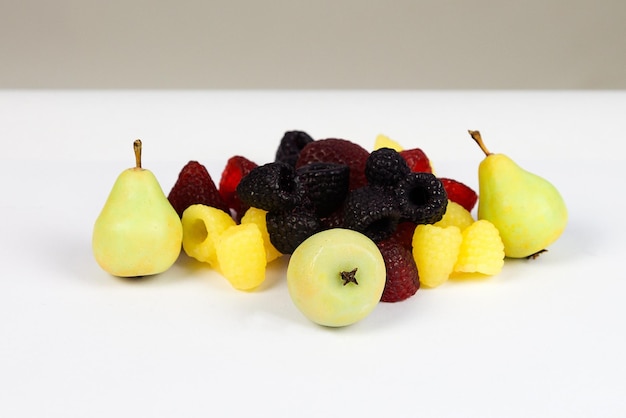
385, 167
324, 185
373, 211
287, 229
422, 198
271, 187
290, 146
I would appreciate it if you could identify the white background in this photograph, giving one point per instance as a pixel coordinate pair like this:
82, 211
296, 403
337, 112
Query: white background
543, 338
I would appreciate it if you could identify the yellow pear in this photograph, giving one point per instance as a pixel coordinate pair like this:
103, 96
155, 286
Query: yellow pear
138, 232
528, 210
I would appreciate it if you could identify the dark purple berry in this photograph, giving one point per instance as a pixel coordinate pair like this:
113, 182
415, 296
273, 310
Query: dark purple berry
271, 187
422, 198
385, 167
287, 229
324, 185
290, 146
372, 210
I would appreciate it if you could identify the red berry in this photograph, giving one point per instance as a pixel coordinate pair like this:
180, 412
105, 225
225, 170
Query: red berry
402, 277
341, 151
195, 186
417, 160
460, 193
236, 168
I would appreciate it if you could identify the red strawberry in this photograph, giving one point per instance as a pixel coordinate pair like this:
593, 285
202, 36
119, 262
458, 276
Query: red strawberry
236, 168
195, 186
417, 160
341, 151
402, 277
460, 193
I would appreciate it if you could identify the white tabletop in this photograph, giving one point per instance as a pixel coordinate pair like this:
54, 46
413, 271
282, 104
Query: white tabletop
543, 338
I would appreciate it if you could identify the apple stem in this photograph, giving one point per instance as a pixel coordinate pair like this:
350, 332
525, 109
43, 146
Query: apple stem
137, 148
479, 140
349, 277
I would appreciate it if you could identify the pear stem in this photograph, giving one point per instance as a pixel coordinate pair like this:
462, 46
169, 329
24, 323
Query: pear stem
137, 148
479, 140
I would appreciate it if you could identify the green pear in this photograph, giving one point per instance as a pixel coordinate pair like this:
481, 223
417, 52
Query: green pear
138, 232
528, 210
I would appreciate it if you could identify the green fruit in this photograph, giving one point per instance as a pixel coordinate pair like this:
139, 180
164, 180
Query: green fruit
336, 277
138, 232
528, 210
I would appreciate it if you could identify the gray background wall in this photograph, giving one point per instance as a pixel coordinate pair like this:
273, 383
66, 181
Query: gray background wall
429, 44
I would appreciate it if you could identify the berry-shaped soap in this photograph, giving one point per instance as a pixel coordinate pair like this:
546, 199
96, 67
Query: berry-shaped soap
402, 277
259, 217
237, 167
241, 256
195, 186
324, 186
422, 198
417, 160
290, 146
456, 215
385, 167
482, 250
373, 211
202, 227
287, 229
341, 151
460, 193
435, 250
271, 187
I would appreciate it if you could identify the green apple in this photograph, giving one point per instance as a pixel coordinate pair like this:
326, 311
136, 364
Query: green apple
336, 277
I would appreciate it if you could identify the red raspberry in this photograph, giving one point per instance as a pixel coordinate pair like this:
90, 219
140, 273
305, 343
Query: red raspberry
236, 168
195, 185
341, 151
402, 277
417, 160
460, 193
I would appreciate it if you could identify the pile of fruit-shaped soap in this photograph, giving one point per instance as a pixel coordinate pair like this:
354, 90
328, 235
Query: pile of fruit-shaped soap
360, 227
421, 223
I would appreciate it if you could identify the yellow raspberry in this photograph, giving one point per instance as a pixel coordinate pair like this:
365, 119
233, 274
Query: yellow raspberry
202, 226
383, 141
435, 250
482, 250
241, 256
455, 215
257, 216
